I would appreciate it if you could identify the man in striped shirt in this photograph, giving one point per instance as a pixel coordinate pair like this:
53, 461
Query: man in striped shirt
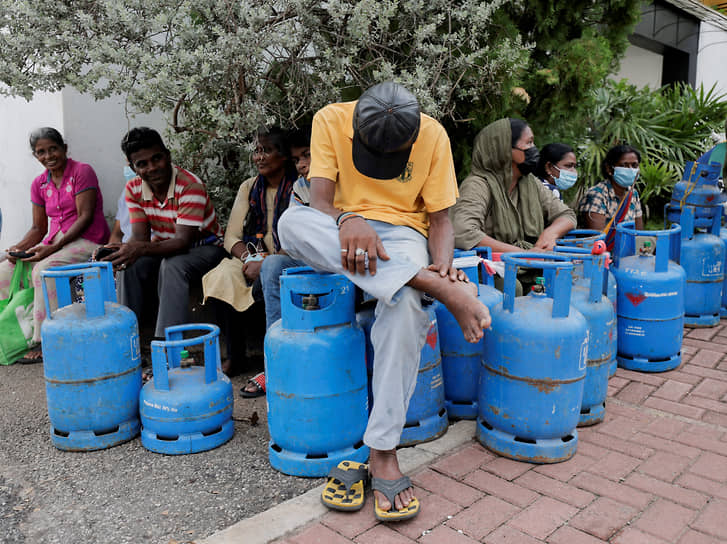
173, 203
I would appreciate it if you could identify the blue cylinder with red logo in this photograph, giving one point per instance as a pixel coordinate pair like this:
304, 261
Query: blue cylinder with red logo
651, 291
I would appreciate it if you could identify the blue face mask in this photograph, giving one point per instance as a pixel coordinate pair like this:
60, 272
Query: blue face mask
129, 174
566, 179
625, 177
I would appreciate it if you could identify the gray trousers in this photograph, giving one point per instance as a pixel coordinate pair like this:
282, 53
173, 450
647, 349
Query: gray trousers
401, 325
172, 277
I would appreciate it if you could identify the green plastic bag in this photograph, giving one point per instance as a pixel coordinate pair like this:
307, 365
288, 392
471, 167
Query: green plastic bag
16, 316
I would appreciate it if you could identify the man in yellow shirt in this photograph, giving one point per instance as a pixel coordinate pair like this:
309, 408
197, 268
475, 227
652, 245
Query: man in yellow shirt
382, 180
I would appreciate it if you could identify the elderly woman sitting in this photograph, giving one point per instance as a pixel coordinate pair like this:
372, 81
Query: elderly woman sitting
251, 235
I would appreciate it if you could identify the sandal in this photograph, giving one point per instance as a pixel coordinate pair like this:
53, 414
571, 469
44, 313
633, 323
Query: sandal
33, 356
390, 489
259, 382
344, 489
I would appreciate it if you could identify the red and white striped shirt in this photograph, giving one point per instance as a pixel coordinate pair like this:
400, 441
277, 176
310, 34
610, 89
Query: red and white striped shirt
187, 203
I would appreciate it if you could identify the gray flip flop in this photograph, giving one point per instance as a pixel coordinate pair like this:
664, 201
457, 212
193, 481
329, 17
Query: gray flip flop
390, 489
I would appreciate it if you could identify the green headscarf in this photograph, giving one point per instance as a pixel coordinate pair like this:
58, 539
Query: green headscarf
517, 218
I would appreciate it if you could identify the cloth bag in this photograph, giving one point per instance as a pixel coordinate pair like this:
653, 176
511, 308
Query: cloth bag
16, 316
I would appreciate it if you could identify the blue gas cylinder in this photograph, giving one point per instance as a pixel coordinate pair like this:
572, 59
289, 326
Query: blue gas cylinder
92, 361
702, 256
186, 408
535, 366
581, 279
650, 299
462, 360
698, 189
723, 308
588, 298
316, 376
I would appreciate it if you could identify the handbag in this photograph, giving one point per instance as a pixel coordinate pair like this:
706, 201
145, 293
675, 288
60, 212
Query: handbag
16, 316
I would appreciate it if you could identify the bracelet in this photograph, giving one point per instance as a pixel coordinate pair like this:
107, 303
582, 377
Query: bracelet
351, 216
341, 216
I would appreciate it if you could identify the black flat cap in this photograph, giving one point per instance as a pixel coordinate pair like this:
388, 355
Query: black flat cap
385, 126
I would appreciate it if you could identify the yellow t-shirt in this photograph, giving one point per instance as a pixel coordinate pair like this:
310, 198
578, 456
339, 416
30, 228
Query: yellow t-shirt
428, 184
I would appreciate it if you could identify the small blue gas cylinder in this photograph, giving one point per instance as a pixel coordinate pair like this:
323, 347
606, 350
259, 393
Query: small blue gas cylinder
315, 370
702, 257
462, 360
588, 298
92, 361
650, 299
186, 408
535, 366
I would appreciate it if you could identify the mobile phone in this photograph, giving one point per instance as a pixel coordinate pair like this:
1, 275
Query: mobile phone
104, 252
20, 254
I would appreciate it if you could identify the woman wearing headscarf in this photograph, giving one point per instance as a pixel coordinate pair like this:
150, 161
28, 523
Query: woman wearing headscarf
502, 205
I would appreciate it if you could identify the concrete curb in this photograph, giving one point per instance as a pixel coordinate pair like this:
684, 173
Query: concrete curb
296, 512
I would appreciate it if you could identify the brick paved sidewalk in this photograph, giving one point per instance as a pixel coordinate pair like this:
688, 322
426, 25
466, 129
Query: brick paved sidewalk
654, 471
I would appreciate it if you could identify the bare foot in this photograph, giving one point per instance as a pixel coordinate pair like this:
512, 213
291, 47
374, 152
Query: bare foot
458, 297
384, 464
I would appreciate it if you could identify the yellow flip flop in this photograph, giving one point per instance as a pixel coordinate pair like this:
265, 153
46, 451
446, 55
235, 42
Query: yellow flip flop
344, 489
390, 489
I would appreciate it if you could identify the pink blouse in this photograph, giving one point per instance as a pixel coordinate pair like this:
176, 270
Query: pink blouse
60, 203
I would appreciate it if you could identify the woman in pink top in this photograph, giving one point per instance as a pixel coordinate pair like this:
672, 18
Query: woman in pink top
68, 221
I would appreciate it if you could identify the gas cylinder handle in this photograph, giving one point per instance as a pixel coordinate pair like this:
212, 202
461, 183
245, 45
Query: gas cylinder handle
484, 252
98, 286
594, 268
580, 236
626, 233
167, 353
334, 292
558, 271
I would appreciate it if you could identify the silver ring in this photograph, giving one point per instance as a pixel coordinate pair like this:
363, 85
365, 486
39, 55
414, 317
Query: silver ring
123, 266
344, 251
359, 252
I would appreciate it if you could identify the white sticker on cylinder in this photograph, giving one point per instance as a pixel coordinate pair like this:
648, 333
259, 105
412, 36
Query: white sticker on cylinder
634, 330
135, 348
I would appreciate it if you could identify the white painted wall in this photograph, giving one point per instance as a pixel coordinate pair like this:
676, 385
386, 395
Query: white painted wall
641, 67
18, 167
712, 57
93, 130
